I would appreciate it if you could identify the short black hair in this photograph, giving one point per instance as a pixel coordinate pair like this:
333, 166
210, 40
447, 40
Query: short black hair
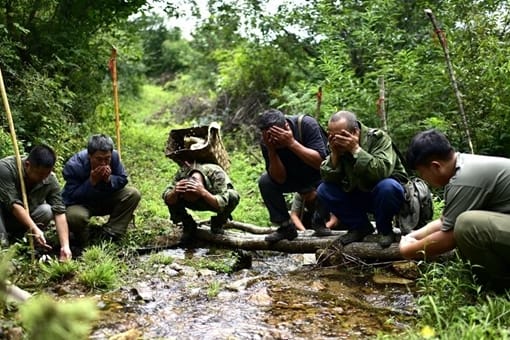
42, 156
99, 142
271, 117
427, 146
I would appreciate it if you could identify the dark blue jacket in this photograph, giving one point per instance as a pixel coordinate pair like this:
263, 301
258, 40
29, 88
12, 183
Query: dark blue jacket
78, 188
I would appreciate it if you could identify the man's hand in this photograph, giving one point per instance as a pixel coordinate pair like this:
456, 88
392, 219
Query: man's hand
39, 237
106, 172
406, 240
277, 137
65, 254
344, 142
195, 187
101, 173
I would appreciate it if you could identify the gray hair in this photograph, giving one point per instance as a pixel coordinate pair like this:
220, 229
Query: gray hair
350, 118
99, 142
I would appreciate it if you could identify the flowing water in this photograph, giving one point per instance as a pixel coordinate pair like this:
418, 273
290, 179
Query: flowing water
280, 297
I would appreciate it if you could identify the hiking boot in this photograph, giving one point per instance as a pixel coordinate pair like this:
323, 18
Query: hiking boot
319, 226
189, 228
356, 235
217, 223
100, 234
321, 231
288, 232
386, 240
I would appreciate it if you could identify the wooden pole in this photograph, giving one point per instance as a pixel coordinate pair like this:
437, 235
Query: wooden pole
381, 110
113, 70
17, 155
442, 40
319, 102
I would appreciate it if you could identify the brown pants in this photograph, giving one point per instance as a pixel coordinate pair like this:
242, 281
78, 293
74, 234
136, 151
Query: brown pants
120, 206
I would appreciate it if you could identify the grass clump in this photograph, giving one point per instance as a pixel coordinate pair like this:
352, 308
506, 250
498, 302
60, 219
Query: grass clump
160, 259
452, 306
56, 271
219, 265
214, 289
102, 270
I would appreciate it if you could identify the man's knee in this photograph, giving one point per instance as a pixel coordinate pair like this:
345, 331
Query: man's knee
264, 182
233, 199
465, 230
42, 214
133, 195
77, 216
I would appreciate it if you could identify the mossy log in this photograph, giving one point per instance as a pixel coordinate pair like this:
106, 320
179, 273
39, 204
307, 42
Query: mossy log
252, 237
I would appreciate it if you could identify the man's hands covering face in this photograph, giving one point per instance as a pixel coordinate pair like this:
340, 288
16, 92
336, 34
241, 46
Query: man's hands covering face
277, 137
100, 173
343, 142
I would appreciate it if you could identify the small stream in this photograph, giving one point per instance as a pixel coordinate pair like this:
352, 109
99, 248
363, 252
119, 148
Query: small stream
282, 296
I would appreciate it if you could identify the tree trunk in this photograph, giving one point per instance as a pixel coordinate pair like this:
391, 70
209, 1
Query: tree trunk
304, 243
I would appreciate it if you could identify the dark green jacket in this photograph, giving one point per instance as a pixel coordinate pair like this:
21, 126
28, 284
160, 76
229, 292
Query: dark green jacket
376, 161
48, 191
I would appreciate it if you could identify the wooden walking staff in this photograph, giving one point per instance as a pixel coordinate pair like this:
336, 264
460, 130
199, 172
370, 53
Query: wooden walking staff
442, 39
113, 70
18, 157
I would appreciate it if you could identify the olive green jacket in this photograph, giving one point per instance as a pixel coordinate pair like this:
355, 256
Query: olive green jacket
48, 191
376, 161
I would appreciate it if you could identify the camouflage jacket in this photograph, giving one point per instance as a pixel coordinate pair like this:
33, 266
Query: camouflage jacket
216, 181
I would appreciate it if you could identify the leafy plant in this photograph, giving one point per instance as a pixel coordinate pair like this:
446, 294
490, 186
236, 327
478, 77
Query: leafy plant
46, 319
59, 271
101, 268
214, 289
161, 258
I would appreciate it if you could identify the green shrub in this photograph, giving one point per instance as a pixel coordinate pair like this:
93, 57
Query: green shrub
46, 319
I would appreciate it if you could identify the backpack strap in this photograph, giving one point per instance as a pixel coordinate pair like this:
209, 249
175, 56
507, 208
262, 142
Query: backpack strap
402, 158
300, 129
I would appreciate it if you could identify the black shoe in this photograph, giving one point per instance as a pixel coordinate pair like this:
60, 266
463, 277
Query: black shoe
386, 240
321, 231
217, 223
189, 228
355, 235
288, 232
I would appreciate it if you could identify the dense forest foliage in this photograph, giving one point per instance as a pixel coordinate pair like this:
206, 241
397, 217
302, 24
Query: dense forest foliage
241, 60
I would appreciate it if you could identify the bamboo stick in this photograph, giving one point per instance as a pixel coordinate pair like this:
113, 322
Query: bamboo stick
17, 155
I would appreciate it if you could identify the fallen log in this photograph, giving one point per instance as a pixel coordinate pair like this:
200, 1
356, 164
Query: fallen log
249, 228
13, 292
304, 243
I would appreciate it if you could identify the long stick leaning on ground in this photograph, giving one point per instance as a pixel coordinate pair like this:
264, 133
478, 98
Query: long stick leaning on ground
17, 155
113, 70
442, 39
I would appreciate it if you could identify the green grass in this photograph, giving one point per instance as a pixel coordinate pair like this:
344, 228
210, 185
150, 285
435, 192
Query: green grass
160, 259
452, 306
214, 289
100, 268
58, 271
143, 153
